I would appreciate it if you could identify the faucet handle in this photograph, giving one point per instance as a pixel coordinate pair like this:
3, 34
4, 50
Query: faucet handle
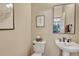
69, 40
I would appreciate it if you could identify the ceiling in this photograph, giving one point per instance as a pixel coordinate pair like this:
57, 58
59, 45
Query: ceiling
43, 6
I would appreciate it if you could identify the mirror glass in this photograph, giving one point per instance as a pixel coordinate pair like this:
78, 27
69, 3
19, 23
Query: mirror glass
63, 18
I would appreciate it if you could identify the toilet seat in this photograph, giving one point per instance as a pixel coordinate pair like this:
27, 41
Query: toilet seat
37, 54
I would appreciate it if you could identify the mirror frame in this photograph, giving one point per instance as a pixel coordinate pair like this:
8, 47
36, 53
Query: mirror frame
74, 17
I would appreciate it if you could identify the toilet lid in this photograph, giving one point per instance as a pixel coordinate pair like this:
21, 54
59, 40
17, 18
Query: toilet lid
36, 54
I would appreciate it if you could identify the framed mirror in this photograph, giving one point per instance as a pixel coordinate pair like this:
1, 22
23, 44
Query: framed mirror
64, 18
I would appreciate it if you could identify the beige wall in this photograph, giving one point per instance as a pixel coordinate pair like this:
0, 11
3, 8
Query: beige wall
17, 41
46, 32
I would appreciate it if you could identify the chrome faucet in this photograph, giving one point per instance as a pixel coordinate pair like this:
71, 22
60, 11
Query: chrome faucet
64, 39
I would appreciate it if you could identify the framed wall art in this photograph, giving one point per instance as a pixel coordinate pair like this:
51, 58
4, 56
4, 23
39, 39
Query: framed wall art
40, 21
6, 16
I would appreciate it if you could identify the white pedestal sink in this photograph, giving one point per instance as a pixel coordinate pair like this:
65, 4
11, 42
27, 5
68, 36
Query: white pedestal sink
67, 47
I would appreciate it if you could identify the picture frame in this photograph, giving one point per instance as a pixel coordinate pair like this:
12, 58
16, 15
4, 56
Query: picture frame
7, 22
40, 21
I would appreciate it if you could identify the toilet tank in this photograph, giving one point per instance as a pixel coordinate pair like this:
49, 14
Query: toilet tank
39, 47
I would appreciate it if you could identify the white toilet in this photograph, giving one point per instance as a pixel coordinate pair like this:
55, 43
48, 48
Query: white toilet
38, 48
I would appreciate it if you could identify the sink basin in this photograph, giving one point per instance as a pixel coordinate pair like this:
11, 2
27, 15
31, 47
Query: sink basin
70, 47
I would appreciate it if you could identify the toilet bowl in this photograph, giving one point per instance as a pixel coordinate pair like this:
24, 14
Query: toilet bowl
38, 48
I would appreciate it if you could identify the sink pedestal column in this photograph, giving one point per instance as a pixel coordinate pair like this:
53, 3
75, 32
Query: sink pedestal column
65, 53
